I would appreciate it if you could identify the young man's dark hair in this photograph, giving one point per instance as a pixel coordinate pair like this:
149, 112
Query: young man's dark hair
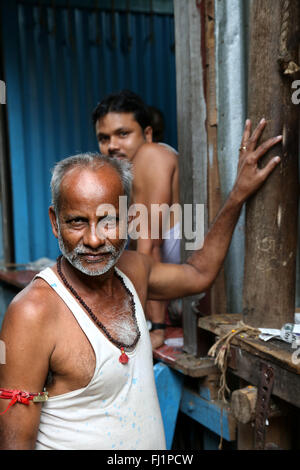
157, 124
123, 102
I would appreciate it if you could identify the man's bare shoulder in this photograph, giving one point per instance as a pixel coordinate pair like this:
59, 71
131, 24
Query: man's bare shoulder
154, 166
137, 268
33, 304
135, 265
160, 155
29, 333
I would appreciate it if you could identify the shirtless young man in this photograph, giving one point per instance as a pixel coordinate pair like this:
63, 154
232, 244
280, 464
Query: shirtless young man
102, 392
123, 129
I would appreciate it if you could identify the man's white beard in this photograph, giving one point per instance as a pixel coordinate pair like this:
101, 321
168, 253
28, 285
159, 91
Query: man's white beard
74, 258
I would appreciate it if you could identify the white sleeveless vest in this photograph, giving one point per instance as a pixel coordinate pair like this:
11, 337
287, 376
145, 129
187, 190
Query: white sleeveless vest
119, 408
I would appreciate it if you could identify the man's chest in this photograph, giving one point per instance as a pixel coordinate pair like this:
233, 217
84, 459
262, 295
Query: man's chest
73, 360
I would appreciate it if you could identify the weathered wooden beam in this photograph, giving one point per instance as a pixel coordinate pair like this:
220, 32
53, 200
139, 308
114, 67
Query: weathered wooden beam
192, 138
248, 367
195, 367
5, 188
243, 405
271, 215
247, 355
218, 298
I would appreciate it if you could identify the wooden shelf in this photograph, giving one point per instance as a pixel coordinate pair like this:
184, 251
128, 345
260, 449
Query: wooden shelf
185, 363
19, 279
247, 355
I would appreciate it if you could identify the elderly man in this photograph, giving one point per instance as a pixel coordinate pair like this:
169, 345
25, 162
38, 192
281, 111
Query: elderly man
123, 128
79, 330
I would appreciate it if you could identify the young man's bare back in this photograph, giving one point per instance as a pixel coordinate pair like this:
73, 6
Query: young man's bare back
156, 177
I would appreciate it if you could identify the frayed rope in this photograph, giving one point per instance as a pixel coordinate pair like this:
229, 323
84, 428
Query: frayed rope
220, 351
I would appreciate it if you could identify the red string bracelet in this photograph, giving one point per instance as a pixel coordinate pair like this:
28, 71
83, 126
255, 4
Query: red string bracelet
18, 396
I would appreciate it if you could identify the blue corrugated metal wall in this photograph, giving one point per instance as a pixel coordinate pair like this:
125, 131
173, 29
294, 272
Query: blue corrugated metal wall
231, 26
59, 62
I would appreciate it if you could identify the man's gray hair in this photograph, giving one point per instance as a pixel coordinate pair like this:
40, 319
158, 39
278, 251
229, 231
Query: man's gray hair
93, 161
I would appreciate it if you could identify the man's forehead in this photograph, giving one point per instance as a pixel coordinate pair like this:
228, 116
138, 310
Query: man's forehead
83, 185
116, 120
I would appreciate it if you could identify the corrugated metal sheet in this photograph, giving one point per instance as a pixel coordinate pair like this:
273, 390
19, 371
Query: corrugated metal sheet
59, 62
231, 66
137, 6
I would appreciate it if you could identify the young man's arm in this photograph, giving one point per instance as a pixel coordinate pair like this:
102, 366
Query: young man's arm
27, 351
201, 269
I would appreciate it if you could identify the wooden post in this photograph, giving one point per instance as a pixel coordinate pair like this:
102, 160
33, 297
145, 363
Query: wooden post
197, 135
243, 408
192, 139
218, 298
271, 215
5, 188
243, 403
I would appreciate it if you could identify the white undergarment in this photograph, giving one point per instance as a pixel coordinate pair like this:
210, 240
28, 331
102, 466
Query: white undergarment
119, 408
170, 249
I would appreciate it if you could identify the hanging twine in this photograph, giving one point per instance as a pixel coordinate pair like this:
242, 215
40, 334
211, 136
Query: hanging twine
220, 351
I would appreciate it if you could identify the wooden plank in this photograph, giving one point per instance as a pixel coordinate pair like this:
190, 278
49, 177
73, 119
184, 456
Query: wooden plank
181, 361
167, 354
19, 279
195, 367
219, 323
248, 367
218, 291
185, 363
192, 139
5, 188
247, 355
272, 214
274, 350
243, 404
7, 293
213, 415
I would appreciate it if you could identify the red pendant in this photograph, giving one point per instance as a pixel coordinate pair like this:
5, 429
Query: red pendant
123, 358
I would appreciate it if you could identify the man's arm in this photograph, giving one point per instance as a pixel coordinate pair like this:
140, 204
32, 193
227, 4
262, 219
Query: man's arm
27, 343
202, 267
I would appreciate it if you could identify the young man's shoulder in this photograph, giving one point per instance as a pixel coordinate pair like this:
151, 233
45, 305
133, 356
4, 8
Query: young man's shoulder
133, 262
158, 153
135, 265
152, 162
